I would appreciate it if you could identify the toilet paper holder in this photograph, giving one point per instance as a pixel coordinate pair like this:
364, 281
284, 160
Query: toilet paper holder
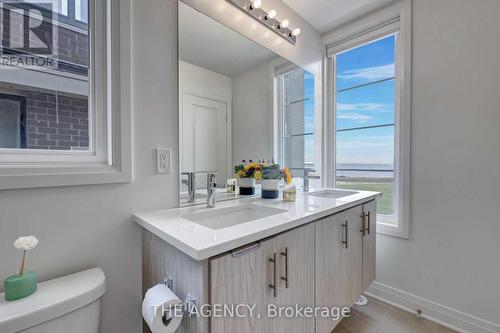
168, 282
189, 302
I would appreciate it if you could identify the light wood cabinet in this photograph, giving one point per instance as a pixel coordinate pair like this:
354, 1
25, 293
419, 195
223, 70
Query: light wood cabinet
326, 263
299, 246
277, 271
243, 277
339, 263
369, 243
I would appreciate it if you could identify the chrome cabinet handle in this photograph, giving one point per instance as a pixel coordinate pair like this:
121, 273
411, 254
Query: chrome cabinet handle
365, 227
245, 249
346, 234
369, 223
274, 284
363, 223
285, 278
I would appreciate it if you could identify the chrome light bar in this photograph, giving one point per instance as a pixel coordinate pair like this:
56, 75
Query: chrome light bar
267, 18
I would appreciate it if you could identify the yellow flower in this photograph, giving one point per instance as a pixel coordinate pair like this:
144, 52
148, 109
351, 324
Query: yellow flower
254, 165
258, 175
240, 173
288, 176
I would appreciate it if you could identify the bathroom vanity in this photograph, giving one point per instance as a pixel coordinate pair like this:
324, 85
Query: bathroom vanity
318, 252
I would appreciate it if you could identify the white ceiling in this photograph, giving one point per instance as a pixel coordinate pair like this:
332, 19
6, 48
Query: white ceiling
325, 15
211, 45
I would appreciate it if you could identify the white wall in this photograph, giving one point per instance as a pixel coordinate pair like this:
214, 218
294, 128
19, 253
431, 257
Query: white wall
204, 82
252, 123
85, 226
452, 255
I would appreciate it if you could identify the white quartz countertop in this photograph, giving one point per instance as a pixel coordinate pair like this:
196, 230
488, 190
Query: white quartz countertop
200, 242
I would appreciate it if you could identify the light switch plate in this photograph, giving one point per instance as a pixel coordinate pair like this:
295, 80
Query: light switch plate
164, 160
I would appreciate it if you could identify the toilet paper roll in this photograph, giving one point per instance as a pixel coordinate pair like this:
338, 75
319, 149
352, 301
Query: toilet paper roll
155, 309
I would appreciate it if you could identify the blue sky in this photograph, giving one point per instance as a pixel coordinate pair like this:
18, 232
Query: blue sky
366, 106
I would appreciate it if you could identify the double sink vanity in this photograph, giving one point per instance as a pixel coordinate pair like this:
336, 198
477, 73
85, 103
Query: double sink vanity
318, 251
254, 265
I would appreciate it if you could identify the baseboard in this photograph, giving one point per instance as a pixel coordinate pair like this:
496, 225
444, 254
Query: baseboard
443, 315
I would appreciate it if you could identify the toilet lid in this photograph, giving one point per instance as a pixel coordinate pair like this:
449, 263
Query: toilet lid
53, 298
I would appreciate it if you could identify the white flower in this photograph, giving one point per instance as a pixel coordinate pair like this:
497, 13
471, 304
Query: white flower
26, 243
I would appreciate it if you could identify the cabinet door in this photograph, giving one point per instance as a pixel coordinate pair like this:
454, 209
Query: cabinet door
338, 263
332, 267
242, 277
355, 224
369, 243
295, 278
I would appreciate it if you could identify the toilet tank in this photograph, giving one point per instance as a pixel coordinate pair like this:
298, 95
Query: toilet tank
71, 303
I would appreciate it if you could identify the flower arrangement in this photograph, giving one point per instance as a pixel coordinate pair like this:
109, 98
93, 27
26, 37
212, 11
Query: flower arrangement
248, 170
26, 244
262, 170
23, 283
273, 171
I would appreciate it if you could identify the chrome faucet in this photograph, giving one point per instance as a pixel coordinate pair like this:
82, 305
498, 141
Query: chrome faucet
307, 177
191, 185
211, 185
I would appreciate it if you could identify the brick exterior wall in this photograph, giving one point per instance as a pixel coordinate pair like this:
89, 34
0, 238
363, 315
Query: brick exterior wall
60, 126
70, 46
54, 122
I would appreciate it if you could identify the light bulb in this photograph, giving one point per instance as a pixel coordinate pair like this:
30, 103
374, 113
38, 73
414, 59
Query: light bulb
271, 14
285, 24
257, 3
296, 32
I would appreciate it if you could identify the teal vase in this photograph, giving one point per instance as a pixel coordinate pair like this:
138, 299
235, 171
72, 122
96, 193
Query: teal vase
19, 286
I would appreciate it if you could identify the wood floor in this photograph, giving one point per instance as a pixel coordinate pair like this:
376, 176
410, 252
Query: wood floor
377, 317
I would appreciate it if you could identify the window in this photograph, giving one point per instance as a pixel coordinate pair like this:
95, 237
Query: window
81, 10
12, 121
370, 111
297, 120
56, 110
365, 105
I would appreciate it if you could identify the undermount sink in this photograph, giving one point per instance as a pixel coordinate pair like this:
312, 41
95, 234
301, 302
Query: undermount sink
227, 217
332, 194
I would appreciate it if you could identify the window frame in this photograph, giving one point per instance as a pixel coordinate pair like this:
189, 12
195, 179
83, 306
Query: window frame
393, 19
109, 157
279, 107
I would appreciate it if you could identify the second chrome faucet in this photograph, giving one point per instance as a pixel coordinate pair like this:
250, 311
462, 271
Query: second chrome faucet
211, 186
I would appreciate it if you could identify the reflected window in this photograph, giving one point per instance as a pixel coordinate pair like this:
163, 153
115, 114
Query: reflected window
297, 114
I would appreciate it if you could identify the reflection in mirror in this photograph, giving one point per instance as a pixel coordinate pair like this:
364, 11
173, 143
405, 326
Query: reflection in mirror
238, 101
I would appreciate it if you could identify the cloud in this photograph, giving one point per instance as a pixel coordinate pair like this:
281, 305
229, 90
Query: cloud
369, 73
364, 144
341, 107
354, 117
353, 111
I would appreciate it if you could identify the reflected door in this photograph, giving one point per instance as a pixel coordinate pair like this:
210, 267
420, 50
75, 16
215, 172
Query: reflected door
203, 138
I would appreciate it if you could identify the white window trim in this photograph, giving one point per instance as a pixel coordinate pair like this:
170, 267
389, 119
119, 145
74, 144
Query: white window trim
280, 71
369, 28
278, 121
110, 159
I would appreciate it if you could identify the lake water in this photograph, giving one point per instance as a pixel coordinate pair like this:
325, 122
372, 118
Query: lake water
365, 170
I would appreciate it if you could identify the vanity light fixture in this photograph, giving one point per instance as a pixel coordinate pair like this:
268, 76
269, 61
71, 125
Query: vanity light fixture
256, 4
271, 14
254, 9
